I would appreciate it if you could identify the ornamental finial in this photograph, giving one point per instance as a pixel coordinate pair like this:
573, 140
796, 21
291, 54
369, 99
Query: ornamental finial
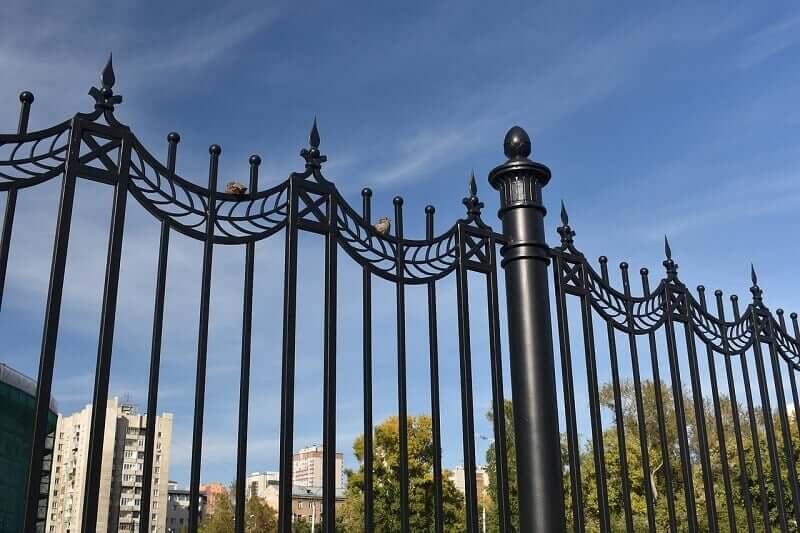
517, 144
472, 202
567, 235
669, 264
104, 97
755, 289
312, 154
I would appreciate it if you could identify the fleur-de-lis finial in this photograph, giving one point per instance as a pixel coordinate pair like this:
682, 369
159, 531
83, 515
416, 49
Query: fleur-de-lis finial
669, 264
312, 154
472, 202
567, 235
104, 97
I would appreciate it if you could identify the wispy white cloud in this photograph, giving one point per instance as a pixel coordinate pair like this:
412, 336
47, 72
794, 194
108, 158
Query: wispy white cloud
770, 41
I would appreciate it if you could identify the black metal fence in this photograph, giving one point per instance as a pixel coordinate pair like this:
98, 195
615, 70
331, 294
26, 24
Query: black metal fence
702, 461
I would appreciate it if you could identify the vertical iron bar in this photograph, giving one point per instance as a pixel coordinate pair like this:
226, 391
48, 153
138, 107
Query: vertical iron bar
288, 361
720, 428
620, 422
780, 398
637, 388
790, 367
526, 258
329, 386
5, 238
662, 423
594, 406
202, 340
573, 446
155, 353
680, 414
700, 423
366, 326
26, 99
52, 314
244, 378
401, 366
106, 341
744, 476
766, 409
753, 426
465, 365
498, 400
433, 340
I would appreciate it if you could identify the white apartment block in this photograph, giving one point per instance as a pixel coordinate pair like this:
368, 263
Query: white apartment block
258, 482
307, 467
121, 472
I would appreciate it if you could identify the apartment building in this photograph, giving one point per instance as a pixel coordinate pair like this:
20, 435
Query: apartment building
121, 475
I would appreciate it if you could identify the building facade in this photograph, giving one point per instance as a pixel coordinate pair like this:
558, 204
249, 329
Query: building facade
17, 405
458, 477
121, 472
307, 467
178, 499
257, 483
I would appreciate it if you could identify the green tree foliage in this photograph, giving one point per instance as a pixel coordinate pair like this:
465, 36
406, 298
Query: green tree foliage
258, 517
386, 482
661, 464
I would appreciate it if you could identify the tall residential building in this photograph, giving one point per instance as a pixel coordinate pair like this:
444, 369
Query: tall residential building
17, 405
307, 467
121, 472
257, 484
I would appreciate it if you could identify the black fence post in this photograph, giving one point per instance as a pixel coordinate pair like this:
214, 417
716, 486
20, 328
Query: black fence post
526, 258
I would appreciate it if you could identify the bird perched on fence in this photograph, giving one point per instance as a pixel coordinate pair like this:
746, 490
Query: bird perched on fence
234, 187
383, 226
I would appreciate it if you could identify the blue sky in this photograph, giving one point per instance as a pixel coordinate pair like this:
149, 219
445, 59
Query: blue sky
654, 120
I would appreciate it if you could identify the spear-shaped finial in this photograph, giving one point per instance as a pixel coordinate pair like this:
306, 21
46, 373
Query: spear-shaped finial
107, 77
312, 154
669, 264
313, 138
104, 97
472, 202
755, 289
567, 235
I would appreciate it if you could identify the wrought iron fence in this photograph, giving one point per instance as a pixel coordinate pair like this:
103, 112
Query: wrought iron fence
552, 494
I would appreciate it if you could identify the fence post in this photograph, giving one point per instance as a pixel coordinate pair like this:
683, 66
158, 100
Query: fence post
533, 384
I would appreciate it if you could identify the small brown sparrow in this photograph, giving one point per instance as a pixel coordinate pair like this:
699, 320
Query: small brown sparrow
234, 187
383, 226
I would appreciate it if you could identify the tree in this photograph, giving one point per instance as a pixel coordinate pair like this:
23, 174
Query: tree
386, 482
666, 462
259, 516
492, 519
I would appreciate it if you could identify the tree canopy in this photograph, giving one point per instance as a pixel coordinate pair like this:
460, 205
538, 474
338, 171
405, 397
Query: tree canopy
386, 482
666, 462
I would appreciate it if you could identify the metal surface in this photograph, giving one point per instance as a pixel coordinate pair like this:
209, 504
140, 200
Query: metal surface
688, 462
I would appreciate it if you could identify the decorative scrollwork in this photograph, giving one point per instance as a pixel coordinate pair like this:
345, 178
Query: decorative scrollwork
424, 261
643, 315
184, 205
32, 158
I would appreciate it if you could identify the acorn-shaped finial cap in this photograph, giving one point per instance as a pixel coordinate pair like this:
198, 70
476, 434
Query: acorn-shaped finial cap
517, 143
